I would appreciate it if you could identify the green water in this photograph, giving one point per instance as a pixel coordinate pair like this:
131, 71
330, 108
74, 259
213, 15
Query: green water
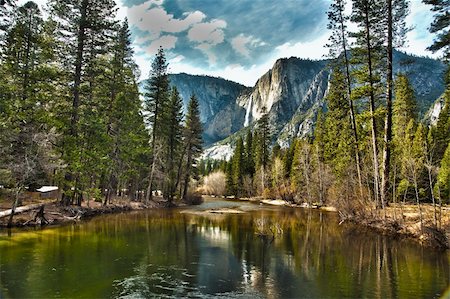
171, 253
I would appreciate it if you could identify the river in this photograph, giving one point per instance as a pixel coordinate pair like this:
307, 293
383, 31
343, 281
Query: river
264, 252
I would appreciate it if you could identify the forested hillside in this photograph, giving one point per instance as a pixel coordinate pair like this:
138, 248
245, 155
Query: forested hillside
370, 147
71, 113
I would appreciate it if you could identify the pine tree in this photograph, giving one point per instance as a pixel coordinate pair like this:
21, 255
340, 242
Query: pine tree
174, 131
396, 28
248, 155
192, 140
238, 167
338, 50
367, 54
156, 95
84, 28
262, 145
128, 149
333, 132
404, 107
27, 154
288, 158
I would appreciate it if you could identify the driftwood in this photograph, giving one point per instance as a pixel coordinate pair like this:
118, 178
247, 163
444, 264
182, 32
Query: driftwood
21, 209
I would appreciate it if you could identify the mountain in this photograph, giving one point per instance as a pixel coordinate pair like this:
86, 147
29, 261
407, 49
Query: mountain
219, 111
293, 92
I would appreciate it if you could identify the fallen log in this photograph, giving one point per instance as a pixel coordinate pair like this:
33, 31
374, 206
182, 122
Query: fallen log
21, 209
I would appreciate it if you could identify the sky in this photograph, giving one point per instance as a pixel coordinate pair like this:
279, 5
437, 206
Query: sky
239, 40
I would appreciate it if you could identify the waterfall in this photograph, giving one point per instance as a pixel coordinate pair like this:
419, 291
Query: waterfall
247, 112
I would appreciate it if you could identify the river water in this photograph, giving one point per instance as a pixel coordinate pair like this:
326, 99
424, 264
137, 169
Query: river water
265, 252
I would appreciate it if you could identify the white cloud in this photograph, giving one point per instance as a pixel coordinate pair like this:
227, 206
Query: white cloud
142, 40
156, 20
209, 32
177, 59
241, 43
313, 49
167, 42
419, 38
207, 49
234, 72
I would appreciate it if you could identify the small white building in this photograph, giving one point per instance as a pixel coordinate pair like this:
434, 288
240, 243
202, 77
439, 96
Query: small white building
49, 191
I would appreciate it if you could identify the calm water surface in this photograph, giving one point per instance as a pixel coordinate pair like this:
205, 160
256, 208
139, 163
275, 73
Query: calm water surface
267, 252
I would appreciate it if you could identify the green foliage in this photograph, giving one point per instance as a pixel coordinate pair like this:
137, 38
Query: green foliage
262, 140
192, 135
238, 167
404, 108
443, 180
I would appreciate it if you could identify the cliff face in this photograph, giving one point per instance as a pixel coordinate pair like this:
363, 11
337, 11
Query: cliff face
282, 90
292, 92
217, 99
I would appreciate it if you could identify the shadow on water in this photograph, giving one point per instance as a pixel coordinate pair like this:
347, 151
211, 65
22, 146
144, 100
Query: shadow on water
268, 252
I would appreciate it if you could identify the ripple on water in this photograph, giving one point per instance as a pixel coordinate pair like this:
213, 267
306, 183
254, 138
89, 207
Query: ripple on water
164, 283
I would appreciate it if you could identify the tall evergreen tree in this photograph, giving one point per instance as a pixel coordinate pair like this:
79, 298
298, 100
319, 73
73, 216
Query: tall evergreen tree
262, 145
338, 50
192, 141
174, 132
156, 95
238, 167
249, 155
84, 26
396, 28
128, 138
367, 55
27, 154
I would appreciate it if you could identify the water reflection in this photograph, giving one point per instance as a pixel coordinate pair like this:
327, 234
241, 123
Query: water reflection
265, 253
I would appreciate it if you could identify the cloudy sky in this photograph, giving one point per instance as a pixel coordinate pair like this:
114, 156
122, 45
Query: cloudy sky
240, 39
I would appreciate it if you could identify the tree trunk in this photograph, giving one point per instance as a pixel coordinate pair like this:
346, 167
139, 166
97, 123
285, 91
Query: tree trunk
350, 102
187, 176
418, 201
372, 109
388, 121
430, 180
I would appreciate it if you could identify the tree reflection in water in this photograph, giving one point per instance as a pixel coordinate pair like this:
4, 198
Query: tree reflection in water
267, 252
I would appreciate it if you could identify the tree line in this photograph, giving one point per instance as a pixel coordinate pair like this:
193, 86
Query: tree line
71, 113
369, 147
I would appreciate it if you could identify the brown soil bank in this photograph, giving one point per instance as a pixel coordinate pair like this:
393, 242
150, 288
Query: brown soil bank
52, 212
404, 221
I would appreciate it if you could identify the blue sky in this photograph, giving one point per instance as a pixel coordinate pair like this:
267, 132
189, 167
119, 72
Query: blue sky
240, 39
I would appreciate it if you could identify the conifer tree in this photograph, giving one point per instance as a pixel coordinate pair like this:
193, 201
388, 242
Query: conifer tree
238, 167
192, 141
262, 145
338, 49
367, 54
156, 95
84, 27
174, 132
249, 155
27, 154
396, 29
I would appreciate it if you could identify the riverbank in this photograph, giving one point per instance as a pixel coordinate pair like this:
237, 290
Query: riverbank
51, 212
401, 220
